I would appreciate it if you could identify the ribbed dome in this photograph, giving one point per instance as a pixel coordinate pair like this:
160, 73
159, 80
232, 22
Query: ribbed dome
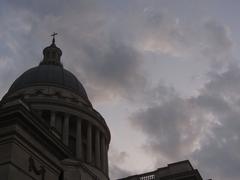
50, 72
49, 75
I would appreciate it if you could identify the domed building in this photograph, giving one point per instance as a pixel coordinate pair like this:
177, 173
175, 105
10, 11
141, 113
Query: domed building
48, 127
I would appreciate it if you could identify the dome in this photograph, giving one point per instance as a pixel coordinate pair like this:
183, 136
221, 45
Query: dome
49, 75
50, 72
58, 105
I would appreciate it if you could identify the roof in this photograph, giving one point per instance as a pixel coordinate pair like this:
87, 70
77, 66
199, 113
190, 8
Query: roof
49, 75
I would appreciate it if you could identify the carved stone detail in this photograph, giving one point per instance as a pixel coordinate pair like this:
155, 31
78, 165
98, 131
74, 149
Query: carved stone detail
32, 167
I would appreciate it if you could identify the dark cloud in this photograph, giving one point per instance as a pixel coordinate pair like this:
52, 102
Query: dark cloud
218, 44
104, 43
106, 48
100, 57
218, 36
220, 151
16, 49
114, 70
204, 128
169, 127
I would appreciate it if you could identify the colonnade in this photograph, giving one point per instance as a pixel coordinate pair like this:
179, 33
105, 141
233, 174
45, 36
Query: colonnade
92, 137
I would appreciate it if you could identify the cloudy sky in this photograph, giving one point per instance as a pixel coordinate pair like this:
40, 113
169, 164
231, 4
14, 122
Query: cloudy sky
164, 73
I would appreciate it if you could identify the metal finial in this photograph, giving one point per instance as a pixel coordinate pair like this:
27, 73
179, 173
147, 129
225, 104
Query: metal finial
53, 35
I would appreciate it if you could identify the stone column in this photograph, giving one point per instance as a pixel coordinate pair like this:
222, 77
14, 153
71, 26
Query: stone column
97, 148
103, 153
66, 129
79, 139
53, 119
107, 147
89, 143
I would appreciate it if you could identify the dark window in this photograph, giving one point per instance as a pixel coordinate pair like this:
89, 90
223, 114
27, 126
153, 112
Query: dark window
72, 134
59, 123
46, 116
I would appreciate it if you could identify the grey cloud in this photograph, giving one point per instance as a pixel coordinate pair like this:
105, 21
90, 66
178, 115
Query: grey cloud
117, 68
218, 36
217, 44
117, 156
16, 45
101, 59
103, 49
116, 159
169, 128
118, 172
204, 128
54, 7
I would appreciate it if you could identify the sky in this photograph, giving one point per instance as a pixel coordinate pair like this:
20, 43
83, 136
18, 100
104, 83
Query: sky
164, 74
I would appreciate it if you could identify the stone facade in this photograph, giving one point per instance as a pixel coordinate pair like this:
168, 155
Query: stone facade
48, 127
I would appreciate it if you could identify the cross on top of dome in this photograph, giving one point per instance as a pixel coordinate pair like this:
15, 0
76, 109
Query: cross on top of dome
53, 35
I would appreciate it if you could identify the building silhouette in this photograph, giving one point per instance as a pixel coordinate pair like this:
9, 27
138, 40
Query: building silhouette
49, 130
182, 170
48, 127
